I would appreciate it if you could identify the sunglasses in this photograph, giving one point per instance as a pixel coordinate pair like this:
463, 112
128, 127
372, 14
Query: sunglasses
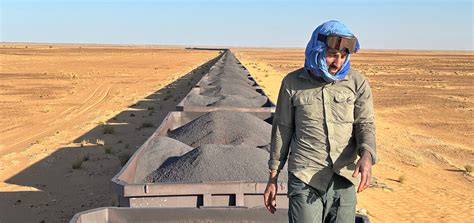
340, 43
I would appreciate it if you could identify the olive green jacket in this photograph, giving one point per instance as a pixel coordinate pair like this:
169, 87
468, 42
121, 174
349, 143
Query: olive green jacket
322, 126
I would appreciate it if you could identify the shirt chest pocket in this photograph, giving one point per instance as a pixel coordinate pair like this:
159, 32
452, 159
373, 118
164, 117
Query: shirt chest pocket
307, 108
343, 107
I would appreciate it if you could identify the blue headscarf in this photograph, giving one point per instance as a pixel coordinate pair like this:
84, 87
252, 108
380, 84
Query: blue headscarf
315, 54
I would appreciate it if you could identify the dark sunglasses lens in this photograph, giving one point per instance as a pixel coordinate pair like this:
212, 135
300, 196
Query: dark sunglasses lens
349, 44
341, 43
333, 42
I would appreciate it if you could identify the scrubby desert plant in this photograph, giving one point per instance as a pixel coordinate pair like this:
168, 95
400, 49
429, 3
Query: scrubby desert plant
108, 129
402, 179
146, 125
468, 168
167, 97
45, 110
77, 164
108, 150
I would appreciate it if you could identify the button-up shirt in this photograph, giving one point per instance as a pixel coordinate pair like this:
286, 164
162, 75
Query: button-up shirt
321, 127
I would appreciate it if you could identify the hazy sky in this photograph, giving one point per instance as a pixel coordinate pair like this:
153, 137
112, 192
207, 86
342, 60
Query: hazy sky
379, 24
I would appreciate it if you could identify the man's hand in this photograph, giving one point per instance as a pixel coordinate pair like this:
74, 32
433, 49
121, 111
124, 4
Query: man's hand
269, 196
364, 166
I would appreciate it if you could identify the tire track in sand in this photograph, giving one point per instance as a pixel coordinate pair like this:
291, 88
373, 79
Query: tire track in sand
16, 141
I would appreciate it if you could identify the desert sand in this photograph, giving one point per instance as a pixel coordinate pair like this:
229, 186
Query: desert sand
70, 105
67, 105
424, 118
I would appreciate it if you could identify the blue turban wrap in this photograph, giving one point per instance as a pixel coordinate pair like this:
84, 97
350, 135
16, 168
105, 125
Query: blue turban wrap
315, 54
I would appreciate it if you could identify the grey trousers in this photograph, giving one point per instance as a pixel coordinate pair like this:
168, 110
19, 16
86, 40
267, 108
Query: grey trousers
308, 204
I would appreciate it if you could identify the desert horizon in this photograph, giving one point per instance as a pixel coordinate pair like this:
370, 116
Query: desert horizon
140, 45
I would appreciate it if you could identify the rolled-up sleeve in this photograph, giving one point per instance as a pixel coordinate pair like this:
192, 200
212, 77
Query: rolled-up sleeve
364, 121
282, 129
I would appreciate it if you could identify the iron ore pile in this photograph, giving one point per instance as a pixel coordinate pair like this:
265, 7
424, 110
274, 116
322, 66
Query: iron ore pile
213, 162
234, 128
217, 145
163, 151
227, 84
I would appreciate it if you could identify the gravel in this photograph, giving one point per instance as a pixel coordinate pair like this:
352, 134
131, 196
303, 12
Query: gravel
161, 150
226, 89
228, 101
216, 81
200, 100
240, 101
209, 163
227, 84
236, 128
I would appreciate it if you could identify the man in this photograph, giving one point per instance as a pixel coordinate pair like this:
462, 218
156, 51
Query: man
323, 122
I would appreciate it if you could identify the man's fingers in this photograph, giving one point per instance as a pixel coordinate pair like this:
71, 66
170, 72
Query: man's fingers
270, 201
368, 180
273, 206
266, 200
362, 181
356, 171
273, 202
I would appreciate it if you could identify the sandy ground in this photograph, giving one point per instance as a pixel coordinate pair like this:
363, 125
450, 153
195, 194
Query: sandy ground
89, 106
66, 105
424, 112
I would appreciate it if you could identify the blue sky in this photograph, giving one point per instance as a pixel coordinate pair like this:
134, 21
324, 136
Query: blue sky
378, 24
